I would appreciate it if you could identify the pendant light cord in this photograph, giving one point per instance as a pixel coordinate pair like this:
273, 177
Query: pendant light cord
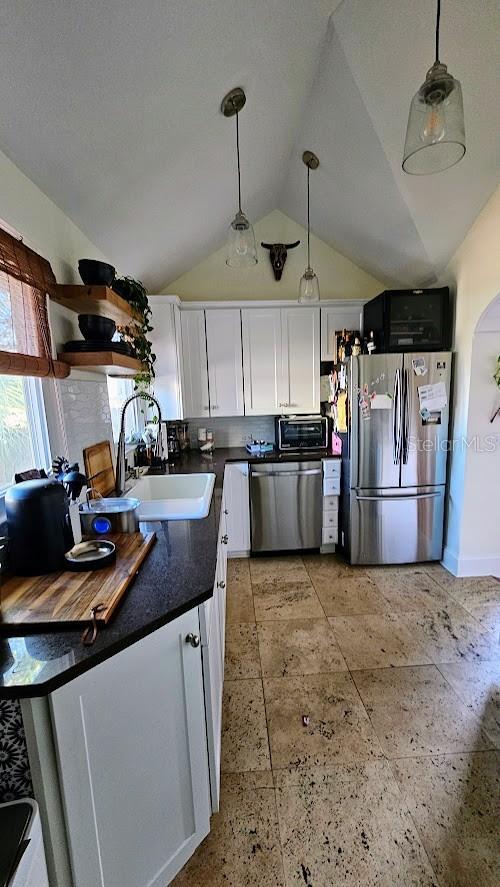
308, 221
438, 17
238, 156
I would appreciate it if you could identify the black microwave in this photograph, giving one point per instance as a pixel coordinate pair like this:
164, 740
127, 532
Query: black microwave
409, 320
301, 432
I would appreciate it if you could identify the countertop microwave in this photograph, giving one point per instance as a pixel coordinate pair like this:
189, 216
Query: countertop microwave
301, 432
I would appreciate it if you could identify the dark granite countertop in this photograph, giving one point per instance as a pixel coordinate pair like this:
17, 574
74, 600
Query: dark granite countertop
177, 575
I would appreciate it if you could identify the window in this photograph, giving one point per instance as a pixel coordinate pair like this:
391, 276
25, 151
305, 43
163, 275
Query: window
118, 391
24, 440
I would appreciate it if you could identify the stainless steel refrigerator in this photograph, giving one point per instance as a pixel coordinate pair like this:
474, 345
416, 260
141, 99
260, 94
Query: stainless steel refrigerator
394, 458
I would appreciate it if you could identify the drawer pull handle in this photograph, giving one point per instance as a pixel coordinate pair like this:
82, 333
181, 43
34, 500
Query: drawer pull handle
224, 539
221, 585
193, 639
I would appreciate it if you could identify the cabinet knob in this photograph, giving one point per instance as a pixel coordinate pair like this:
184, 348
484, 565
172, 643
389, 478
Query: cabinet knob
193, 639
226, 511
206, 407
225, 539
221, 585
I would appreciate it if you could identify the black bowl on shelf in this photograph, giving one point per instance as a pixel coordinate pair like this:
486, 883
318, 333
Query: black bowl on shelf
95, 273
95, 328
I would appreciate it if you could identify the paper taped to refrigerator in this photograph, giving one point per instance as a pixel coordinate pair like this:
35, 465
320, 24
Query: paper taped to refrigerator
381, 402
433, 397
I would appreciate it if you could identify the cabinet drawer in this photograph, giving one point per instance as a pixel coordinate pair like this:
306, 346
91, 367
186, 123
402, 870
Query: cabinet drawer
331, 486
331, 467
330, 519
330, 535
330, 503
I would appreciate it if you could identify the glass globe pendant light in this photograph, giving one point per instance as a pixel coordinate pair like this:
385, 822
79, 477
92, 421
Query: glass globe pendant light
241, 248
435, 136
309, 284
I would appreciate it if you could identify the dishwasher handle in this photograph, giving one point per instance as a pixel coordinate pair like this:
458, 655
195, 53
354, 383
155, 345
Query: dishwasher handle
307, 471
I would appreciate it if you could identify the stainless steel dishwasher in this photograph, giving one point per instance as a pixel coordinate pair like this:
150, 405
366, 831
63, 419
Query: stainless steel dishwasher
285, 505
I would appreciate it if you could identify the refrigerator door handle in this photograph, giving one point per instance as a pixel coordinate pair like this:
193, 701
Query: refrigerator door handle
406, 415
396, 443
398, 498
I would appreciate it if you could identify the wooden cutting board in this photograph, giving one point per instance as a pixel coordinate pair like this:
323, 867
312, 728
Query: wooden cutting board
99, 469
61, 599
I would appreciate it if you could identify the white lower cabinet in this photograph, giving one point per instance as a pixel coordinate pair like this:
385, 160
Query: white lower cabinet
237, 503
331, 493
132, 757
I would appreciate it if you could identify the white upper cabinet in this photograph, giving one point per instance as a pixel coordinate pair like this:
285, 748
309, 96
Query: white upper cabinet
194, 365
225, 371
300, 360
166, 336
348, 315
262, 363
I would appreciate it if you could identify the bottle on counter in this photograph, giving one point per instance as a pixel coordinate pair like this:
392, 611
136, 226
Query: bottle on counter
371, 345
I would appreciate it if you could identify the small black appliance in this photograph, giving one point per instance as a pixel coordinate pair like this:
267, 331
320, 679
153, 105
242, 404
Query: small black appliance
39, 526
409, 320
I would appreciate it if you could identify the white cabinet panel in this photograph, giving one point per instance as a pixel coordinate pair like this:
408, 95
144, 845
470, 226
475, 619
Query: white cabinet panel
334, 318
194, 365
166, 339
262, 362
237, 501
131, 746
301, 362
225, 371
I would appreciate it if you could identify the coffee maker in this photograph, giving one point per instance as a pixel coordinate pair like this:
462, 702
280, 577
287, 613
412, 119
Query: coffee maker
173, 443
39, 526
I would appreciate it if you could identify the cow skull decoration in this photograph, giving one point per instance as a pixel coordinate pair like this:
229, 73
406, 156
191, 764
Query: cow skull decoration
278, 253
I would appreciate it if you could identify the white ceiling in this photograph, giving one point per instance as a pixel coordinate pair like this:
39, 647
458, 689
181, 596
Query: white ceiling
113, 110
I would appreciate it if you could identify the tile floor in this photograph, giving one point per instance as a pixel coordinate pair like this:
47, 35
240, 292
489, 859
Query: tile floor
361, 729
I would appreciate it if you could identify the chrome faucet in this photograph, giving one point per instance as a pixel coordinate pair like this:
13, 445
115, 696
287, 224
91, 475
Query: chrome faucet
120, 455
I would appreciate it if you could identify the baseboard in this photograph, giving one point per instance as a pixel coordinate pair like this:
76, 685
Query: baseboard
471, 566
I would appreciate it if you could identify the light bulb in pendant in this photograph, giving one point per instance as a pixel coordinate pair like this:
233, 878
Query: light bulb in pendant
434, 127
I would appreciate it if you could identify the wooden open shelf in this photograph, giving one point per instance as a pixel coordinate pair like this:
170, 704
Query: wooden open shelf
99, 300
108, 362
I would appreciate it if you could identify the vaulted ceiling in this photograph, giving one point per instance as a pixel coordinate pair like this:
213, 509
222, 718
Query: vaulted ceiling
112, 109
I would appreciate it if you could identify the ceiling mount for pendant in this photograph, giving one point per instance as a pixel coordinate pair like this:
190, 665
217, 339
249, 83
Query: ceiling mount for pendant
233, 102
310, 160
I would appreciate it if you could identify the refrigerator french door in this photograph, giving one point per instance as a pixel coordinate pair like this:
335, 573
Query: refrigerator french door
394, 472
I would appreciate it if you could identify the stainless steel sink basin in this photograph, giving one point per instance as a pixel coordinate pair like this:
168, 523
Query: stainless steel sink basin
174, 496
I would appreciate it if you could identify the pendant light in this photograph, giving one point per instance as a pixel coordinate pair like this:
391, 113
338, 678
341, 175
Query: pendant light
309, 284
241, 248
435, 136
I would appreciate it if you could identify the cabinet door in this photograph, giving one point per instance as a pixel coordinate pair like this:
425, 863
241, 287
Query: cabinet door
335, 318
262, 367
194, 365
225, 371
237, 501
166, 338
301, 363
132, 756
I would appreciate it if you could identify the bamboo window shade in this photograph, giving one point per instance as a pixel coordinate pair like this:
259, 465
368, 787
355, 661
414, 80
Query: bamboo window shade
25, 281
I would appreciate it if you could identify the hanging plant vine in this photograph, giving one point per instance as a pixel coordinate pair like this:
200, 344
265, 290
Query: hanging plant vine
135, 293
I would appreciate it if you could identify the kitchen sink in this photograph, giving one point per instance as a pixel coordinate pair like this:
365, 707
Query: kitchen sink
173, 496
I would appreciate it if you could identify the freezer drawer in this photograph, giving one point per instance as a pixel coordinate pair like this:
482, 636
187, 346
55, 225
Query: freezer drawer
286, 506
396, 526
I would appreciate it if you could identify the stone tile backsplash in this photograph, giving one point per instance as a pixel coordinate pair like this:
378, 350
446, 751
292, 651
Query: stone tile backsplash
234, 431
86, 413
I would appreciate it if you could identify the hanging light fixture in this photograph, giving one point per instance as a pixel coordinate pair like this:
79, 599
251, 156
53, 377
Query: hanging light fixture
241, 248
309, 284
435, 136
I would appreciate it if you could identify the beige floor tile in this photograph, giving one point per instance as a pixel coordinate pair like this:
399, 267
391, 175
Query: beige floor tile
286, 600
379, 641
456, 585
414, 711
407, 592
244, 732
454, 802
239, 599
488, 615
478, 685
349, 825
243, 847
349, 595
242, 658
298, 647
338, 731
454, 635
329, 565
482, 603
269, 570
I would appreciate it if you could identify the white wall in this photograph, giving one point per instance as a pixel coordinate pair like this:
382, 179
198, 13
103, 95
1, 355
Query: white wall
339, 278
473, 534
